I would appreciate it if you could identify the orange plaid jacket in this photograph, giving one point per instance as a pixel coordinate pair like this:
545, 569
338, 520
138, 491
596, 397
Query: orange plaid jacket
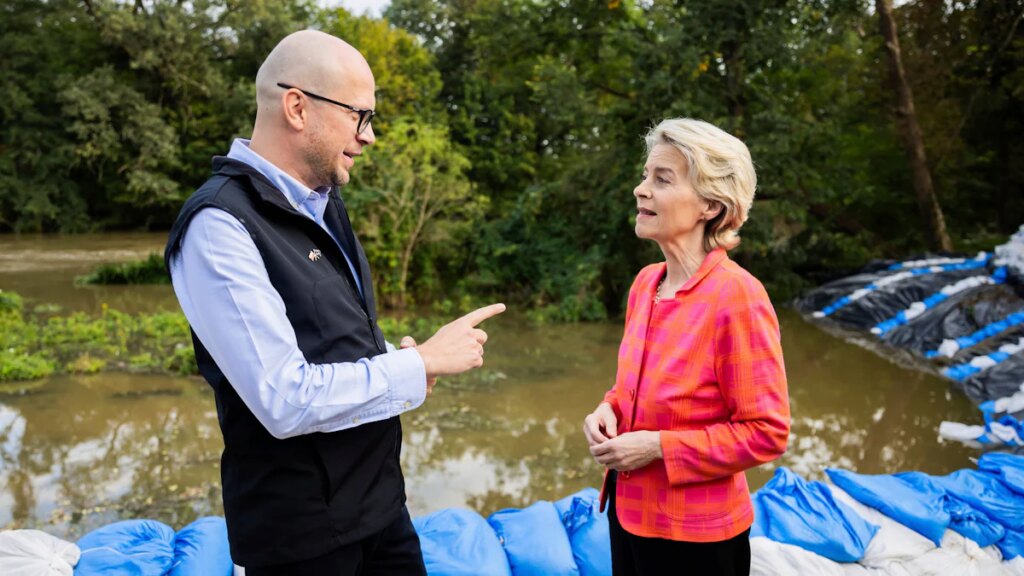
705, 368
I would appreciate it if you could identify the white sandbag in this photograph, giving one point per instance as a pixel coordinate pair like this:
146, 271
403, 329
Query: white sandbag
854, 569
952, 540
894, 542
960, 432
35, 553
1015, 566
967, 560
893, 569
1011, 404
943, 561
771, 558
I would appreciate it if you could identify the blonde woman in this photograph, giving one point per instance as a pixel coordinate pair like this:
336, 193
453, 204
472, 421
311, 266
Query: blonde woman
700, 395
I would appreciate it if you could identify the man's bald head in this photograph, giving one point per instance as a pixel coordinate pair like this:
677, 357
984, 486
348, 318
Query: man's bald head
311, 60
298, 131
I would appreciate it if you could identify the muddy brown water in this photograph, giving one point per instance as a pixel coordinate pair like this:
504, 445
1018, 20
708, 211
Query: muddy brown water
78, 452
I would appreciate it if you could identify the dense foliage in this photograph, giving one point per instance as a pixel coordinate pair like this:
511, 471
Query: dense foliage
510, 130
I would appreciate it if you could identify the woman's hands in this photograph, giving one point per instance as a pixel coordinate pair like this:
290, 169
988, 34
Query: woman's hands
600, 425
628, 451
624, 452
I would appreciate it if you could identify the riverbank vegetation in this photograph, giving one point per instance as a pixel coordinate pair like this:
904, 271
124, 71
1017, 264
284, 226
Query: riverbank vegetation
39, 341
509, 136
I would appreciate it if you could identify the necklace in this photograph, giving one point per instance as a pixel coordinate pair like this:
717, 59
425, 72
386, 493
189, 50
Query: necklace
657, 293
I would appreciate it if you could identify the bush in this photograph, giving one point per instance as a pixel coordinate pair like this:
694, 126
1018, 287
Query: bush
148, 271
22, 366
10, 302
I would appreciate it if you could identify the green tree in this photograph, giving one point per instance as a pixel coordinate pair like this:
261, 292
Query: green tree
37, 191
112, 110
412, 200
412, 193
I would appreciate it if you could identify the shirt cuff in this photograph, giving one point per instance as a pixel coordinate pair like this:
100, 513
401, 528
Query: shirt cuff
409, 380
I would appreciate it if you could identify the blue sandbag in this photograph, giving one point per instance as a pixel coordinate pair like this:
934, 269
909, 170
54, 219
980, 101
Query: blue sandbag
458, 542
588, 532
986, 493
963, 518
201, 549
565, 504
974, 524
1008, 467
805, 514
1012, 545
759, 529
534, 540
920, 511
128, 548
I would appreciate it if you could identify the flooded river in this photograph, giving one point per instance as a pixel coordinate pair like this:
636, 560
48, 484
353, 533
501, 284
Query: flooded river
77, 452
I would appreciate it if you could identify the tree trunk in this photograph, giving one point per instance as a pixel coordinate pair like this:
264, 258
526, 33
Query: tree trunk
910, 132
732, 54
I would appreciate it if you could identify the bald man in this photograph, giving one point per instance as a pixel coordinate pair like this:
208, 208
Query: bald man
278, 292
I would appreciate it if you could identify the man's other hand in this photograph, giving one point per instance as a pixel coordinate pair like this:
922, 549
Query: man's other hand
410, 342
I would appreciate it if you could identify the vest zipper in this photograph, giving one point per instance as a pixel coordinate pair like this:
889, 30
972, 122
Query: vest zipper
359, 297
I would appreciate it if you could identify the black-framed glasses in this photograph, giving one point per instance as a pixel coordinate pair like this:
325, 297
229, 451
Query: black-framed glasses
365, 116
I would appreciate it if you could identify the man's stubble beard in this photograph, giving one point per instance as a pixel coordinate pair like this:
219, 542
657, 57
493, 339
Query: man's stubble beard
321, 160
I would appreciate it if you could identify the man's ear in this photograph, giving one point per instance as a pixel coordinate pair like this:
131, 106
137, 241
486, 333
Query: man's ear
293, 105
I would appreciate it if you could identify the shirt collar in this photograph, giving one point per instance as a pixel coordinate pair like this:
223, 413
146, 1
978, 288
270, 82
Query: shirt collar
712, 260
297, 193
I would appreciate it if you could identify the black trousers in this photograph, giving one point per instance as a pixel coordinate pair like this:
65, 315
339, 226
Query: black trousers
394, 550
634, 555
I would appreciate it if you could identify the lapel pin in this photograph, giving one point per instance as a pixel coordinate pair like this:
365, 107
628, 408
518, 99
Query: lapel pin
314, 255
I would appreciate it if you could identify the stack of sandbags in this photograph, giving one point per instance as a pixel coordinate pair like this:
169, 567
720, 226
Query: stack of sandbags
567, 538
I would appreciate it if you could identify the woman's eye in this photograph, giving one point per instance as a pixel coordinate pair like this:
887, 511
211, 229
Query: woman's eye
662, 180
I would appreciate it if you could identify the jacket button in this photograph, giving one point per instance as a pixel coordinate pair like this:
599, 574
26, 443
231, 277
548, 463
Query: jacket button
632, 393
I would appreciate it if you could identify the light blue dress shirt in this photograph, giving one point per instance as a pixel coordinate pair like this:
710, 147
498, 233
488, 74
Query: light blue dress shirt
226, 294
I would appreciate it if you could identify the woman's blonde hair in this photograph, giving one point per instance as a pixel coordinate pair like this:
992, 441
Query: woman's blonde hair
720, 170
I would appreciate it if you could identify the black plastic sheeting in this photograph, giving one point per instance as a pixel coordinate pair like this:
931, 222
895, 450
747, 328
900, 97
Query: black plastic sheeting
880, 304
999, 381
960, 315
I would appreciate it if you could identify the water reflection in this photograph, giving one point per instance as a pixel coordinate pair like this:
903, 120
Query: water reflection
82, 452
854, 409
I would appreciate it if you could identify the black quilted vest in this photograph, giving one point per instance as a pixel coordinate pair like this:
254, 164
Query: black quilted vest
301, 497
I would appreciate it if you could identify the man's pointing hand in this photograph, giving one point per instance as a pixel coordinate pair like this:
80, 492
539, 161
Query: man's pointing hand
459, 345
